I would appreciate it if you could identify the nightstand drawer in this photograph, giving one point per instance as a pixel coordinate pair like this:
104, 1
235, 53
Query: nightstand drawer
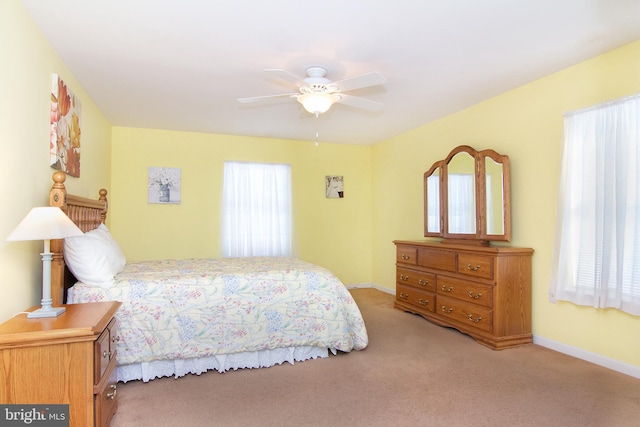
106, 400
104, 350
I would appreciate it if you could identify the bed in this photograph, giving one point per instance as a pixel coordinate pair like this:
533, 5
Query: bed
188, 316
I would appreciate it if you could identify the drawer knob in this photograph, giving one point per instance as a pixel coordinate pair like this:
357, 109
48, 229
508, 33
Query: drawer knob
476, 268
476, 296
112, 393
446, 309
403, 295
406, 257
423, 282
404, 278
423, 301
476, 320
106, 354
447, 288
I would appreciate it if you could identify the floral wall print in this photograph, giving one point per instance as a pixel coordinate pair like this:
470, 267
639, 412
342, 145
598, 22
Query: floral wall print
64, 144
164, 185
334, 186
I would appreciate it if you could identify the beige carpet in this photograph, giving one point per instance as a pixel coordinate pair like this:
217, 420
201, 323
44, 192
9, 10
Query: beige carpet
413, 373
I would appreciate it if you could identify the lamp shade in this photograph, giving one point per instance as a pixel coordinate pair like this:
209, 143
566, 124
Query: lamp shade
45, 223
317, 103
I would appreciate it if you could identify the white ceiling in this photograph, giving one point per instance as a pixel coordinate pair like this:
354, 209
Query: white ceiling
182, 64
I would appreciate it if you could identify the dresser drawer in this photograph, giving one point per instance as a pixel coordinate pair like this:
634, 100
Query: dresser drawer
477, 293
420, 279
476, 265
437, 259
421, 299
467, 313
406, 254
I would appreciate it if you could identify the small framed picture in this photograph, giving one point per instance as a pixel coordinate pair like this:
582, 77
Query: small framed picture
334, 186
164, 185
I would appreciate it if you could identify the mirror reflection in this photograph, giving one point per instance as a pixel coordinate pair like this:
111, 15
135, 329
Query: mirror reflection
433, 202
461, 194
495, 202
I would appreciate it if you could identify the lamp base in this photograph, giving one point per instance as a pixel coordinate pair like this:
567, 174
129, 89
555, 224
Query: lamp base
46, 312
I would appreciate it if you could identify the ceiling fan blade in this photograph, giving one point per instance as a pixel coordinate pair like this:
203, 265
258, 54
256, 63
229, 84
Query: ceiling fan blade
262, 98
357, 102
358, 82
287, 76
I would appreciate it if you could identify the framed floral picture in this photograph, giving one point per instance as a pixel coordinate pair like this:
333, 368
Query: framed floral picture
164, 185
334, 186
64, 143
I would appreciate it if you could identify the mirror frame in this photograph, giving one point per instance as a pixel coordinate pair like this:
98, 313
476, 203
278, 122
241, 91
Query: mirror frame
480, 236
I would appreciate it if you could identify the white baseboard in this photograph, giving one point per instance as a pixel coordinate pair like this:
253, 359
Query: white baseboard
371, 285
594, 358
579, 353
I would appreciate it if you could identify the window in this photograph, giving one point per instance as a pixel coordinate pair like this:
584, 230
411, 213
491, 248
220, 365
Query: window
256, 210
596, 258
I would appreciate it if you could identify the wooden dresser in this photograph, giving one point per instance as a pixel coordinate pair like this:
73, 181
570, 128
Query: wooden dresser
482, 291
69, 359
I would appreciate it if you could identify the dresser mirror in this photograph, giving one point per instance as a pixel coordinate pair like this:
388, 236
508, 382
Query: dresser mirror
467, 197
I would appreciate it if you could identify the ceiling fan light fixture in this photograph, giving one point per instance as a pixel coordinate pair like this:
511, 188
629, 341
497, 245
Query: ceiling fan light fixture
317, 103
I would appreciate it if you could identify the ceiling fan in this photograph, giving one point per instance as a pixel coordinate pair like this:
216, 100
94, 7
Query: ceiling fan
316, 93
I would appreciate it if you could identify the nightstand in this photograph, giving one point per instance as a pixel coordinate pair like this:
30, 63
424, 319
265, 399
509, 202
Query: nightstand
69, 359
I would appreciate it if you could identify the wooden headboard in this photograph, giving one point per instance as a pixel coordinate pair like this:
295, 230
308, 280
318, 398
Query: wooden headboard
87, 214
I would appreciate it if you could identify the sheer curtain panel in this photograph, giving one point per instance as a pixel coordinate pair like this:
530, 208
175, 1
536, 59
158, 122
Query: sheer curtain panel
256, 215
462, 203
596, 259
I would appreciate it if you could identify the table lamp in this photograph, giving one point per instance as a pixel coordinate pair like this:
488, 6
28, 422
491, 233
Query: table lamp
45, 223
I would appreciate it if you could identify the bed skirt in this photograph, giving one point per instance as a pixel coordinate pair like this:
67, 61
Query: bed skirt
147, 371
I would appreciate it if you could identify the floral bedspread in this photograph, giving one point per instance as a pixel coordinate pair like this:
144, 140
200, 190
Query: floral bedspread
179, 309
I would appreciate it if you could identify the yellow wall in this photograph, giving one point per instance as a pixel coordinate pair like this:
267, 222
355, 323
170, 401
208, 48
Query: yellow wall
334, 233
25, 176
526, 124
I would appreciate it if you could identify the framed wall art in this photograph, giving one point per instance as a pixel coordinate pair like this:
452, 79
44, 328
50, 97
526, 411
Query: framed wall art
334, 186
64, 143
164, 185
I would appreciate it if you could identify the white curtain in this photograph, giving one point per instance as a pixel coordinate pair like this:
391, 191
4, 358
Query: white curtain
596, 260
462, 203
256, 217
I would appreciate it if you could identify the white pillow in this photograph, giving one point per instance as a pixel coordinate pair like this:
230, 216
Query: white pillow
95, 257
